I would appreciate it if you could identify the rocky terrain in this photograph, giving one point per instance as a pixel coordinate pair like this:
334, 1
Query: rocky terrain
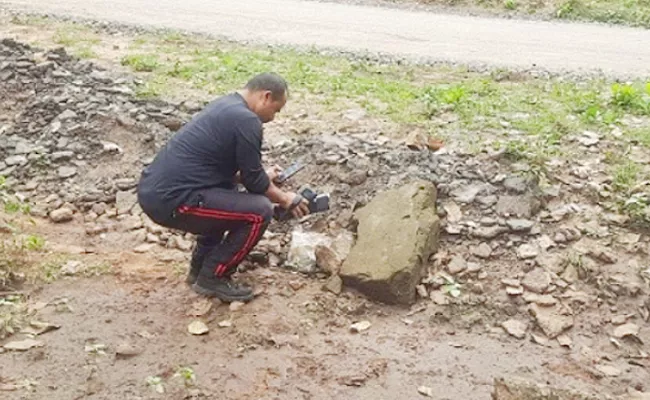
519, 260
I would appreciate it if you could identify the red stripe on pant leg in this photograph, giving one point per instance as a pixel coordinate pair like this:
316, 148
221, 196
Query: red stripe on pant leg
255, 219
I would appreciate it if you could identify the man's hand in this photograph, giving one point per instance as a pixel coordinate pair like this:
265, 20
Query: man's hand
300, 210
274, 172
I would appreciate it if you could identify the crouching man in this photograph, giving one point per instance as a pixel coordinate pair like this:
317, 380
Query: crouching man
191, 185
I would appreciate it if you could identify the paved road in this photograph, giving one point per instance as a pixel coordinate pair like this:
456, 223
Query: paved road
555, 47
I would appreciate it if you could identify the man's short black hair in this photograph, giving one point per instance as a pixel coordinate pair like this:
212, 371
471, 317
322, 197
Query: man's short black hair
271, 82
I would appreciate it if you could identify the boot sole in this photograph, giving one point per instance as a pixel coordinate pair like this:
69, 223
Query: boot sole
223, 297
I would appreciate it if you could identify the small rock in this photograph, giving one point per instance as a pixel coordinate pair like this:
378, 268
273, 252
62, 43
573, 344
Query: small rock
588, 139
467, 194
198, 328
515, 328
63, 214
603, 255
125, 350
609, 371
619, 320
565, 341
71, 268
520, 225
236, 306
537, 281
545, 242
144, 248
489, 232
473, 267
457, 265
538, 339
483, 250
225, 324
23, 345
626, 330
551, 320
125, 200
516, 184
526, 251
544, 300
66, 115
334, 284
425, 391
514, 291
422, 291
454, 213
360, 326
16, 160
67, 172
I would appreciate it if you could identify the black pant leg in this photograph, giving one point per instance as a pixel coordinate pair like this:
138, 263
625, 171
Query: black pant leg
246, 216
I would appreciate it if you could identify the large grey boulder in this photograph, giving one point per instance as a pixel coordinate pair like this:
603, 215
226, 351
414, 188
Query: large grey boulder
397, 232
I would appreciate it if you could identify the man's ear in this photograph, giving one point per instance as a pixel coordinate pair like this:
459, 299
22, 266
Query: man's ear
268, 96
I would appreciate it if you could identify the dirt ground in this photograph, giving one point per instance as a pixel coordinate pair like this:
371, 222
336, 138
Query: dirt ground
292, 342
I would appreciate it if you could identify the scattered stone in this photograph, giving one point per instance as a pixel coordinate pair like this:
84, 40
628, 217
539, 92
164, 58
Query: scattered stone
515, 328
619, 319
551, 320
38, 328
603, 255
467, 194
144, 248
236, 306
67, 115
200, 308
490, 232
524, 206
514, 291
545, 300
526, 251
540, 340
334, 284
520, 225
359, 327
426, 391
454, 213
327, 260
589, 139
483, 250
627, 330
457, 265
537, 281
225, 324
545, 242
198, 328
609, 371
72, 268
67, 172
565, 341
124, 201
63, 214
125, 350
16, 160
387, 260
422, 291
302, 251
23, 345
516, 184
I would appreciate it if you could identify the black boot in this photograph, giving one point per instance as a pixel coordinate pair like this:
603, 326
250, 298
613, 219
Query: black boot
222, 287
203, 246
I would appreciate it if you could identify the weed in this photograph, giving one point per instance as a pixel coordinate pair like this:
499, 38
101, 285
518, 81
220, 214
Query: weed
141, 62
188, 376
156, 383
510, 4
34, 243
625, 176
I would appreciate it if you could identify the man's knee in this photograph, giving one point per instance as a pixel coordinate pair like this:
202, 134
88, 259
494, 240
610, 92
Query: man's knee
264, 208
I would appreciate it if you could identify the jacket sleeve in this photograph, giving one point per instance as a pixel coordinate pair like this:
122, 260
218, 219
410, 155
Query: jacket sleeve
249, 156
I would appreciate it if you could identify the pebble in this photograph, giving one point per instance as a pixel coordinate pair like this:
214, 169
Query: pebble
62, 215
537, 281
457, 265
520, 225
16, 160
515, 328
526, 251
483, 250
67, 172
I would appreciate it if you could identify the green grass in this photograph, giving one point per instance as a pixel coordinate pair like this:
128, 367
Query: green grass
626, 12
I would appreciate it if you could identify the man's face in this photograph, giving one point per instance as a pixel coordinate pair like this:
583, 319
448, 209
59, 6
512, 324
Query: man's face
268, 106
